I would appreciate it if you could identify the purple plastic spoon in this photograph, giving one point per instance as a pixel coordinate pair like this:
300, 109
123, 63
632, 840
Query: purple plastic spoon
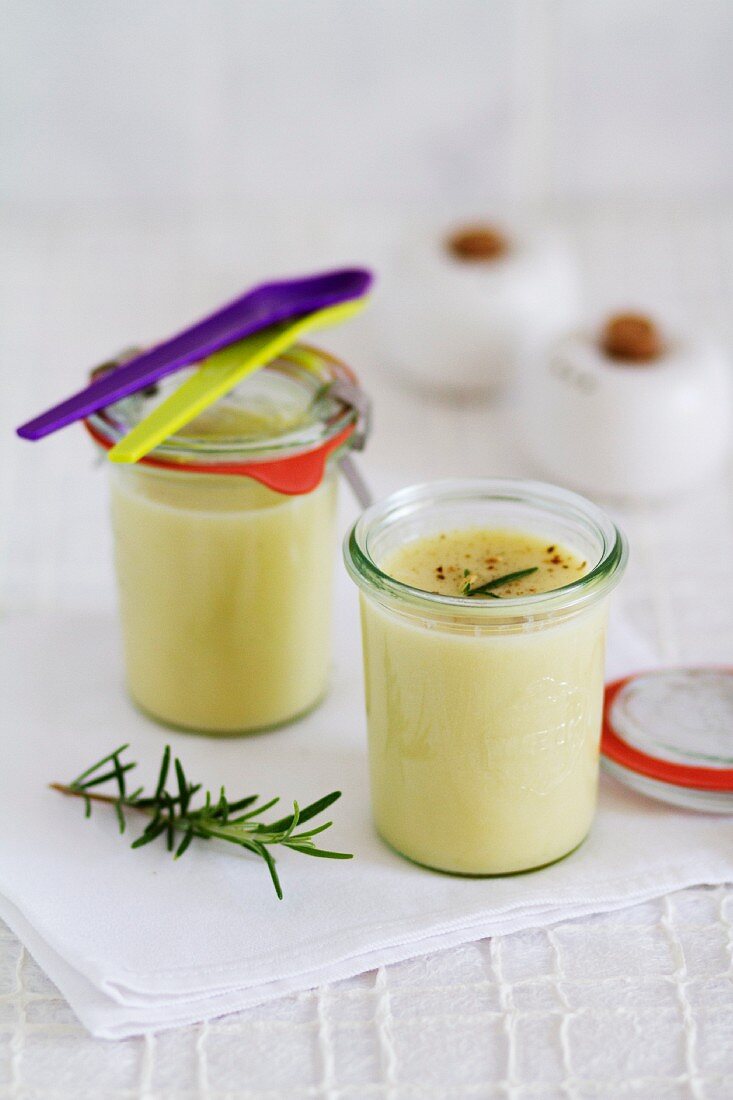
264, 305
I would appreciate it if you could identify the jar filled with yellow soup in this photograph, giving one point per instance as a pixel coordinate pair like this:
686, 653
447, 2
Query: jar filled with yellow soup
483, 607
224, 543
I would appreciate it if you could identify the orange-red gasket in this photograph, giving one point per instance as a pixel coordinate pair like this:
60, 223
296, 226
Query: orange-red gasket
292, 476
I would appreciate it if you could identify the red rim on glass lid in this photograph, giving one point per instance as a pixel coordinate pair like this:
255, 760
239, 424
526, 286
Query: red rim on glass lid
278, 427
668, 733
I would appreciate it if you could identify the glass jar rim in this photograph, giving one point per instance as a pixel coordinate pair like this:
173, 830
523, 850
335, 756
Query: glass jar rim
307, 364
593, 585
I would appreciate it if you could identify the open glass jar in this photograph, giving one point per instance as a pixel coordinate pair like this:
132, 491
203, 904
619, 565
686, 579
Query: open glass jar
224, 546
484, 715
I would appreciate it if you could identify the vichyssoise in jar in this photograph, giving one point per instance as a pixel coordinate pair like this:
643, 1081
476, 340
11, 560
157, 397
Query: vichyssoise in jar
224, 546
483, 608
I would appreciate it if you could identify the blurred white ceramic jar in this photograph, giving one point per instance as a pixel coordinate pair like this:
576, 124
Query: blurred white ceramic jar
466, 309
629, 412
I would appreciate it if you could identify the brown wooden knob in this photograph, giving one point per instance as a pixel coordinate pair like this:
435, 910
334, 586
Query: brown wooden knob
477, 243
632, 338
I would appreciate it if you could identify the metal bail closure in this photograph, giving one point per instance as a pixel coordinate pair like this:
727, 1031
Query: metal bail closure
669, 734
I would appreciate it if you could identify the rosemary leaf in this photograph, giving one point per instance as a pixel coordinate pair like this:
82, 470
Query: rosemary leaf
184, 843
120, 775
259, 810
314, 832
263, 852
242, 803
149, 835
293, 824
98, 765
165, 764
97, 780
320, 852
183, 794
306, 814
170, 822
485, 589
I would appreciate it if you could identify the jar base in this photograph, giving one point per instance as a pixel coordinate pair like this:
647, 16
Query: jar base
250, 731
485, 874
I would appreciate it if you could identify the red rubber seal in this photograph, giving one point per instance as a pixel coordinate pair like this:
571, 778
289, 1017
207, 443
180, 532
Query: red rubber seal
291, 476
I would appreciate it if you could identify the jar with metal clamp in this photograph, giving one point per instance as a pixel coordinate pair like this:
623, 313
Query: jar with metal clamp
224, 545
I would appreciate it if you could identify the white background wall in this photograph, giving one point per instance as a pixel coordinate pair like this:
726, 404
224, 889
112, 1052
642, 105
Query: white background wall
157, 156
199, 106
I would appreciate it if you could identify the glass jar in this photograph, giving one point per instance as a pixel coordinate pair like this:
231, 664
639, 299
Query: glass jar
484, 715
224, 546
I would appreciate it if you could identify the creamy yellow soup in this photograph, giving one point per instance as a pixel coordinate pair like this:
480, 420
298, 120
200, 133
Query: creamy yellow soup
452, 562
483, 742
225, 597
225, 585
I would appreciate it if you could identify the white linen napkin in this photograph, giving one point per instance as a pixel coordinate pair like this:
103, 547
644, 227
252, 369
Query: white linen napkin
137, 942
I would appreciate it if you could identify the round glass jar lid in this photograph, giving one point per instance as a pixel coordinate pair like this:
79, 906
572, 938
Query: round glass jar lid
285, 408
669, 734
279, 426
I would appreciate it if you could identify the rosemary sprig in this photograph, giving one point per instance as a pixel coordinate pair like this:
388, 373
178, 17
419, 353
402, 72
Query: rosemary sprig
170, 812
486, 589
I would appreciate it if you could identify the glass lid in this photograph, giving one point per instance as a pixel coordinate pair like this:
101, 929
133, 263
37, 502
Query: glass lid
283, 409
669, 734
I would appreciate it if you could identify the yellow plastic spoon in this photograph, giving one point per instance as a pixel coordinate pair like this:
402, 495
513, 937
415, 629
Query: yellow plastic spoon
220, 373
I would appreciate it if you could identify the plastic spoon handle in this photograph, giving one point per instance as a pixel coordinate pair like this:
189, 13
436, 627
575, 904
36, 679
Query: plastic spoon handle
259, 308
219, 374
